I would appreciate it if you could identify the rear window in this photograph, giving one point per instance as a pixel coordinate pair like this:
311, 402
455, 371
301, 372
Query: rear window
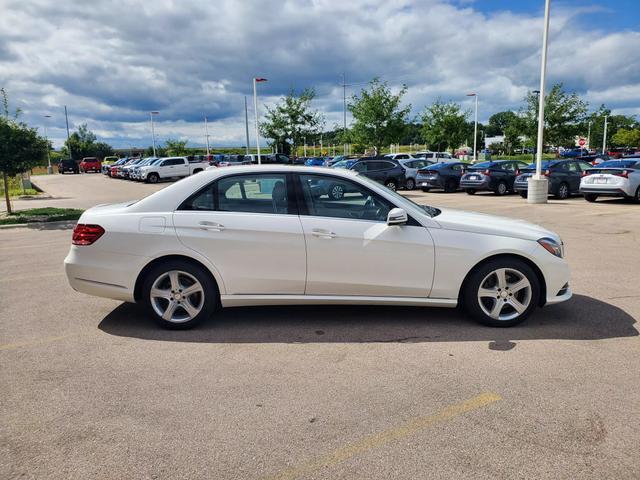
483, 165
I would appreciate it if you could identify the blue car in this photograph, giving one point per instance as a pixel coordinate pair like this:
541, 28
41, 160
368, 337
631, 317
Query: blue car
575, 152
314, 162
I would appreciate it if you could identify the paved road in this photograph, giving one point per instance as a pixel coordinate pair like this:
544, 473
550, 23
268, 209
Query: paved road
91, 389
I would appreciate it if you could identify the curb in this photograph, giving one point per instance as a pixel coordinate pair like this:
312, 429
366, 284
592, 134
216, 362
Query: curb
41, 225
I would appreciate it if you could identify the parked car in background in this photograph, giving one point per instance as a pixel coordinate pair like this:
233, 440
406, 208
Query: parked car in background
435, 157
497, 176
411, 167
268, 159
398, 156
134, 172
383, 170
315, 162
68, 165
574, 152
346, 163
126, 169
107, 162
443, 175
612, 179
340, 158
564, 177
112, 169
199, 244
171, 167
231, 160
90, 164
594, 158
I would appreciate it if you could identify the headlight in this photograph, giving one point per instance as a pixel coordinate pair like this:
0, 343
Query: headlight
553, 247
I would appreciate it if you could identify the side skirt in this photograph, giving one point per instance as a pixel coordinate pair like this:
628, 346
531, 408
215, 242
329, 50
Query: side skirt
252, 300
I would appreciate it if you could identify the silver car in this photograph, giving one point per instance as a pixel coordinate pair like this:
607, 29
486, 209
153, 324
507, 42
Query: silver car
614, 178
411, 167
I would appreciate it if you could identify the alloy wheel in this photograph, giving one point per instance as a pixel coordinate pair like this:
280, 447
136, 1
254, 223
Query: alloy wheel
504, 294
337, 192
177, 296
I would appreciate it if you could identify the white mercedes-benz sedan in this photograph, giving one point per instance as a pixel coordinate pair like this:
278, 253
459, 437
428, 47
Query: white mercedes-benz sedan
274, 235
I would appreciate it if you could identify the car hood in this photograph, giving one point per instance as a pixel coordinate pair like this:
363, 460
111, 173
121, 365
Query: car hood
464, 221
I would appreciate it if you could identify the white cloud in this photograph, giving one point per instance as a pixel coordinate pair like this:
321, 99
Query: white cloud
111, 61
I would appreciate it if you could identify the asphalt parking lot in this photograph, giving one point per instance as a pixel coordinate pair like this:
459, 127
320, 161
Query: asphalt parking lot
92, 389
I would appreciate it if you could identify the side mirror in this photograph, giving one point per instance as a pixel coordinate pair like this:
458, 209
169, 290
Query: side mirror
397, 216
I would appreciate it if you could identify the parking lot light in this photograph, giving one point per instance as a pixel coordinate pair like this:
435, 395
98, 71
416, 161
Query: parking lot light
49, 167
255, 108
475, 126
538, 190
153, 133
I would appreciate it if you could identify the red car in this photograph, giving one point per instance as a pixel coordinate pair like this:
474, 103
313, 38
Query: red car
90, 164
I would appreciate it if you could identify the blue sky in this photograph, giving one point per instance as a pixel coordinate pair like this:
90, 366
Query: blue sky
112, 61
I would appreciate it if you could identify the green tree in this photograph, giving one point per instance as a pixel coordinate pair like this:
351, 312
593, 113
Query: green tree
176, 148
444, 125
83, 143
21, 148
499, 122
378, 117
614, 123
291, 121
564, 115
626, 137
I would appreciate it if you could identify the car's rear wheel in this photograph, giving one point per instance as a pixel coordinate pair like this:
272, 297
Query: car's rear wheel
502, 188
179, 294
563, 191
411, 184
591, 197
391, 185
501, 292
636, 197
450, 186
153, 178
425, 189
470, 191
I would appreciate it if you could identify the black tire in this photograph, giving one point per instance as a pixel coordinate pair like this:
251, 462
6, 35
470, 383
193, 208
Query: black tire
210, 292
523, 193
471, 302
636, 198
197, 170
591, 197
450, 186
470, 191
411, 184
336, 191
391, 184
425, 189
153, 178
562, 193
502, 188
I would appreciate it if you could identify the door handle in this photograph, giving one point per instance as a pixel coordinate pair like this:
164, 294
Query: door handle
212, 226
319, 232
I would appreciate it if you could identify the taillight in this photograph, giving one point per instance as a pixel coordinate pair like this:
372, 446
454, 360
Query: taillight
517, 172
86, 234
547, 173
487, 172
624, 174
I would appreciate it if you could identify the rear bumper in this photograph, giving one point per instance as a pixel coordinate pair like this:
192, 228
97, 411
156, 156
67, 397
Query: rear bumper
429, 182
103, 274
610, 192
476, 184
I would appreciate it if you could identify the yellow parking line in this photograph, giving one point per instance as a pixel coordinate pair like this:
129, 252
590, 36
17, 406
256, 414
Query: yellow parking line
379, 439
32, 343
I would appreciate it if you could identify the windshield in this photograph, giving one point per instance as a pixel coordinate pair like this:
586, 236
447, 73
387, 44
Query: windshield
482, 165
343, 164
431, 211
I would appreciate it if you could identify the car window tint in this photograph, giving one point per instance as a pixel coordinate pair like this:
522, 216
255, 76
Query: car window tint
360, 167
402, 157
327, 196
456, 167
573, 167
266, 193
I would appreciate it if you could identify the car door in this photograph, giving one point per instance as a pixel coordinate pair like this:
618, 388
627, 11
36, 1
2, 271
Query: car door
574, 175
247, 226
352, 251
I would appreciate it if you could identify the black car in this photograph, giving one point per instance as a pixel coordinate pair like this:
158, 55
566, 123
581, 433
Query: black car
383, 170
564, 177
496, 176
68, 165
444, 175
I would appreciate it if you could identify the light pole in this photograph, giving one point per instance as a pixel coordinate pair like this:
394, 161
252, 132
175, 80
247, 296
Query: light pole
66, 117
537, 94
589, 136
206, 133
246, 125
255, 111
538, 189
49, 167
304, 139
475, 126
153, 132
604, 138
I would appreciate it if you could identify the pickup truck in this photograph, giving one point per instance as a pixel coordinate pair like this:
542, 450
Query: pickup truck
171, 167
90, 164
68, 165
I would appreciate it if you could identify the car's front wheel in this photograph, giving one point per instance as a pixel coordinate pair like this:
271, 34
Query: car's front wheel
591, 197
523, 193
502, 188
179, 294
411, 184
153, 178
391, 185
501, 292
